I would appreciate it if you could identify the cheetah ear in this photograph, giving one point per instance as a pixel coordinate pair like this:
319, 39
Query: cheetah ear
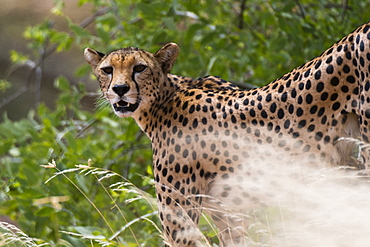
93, 57
167, 55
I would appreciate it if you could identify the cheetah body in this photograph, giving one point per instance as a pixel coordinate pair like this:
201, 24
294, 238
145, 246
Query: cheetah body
206, 131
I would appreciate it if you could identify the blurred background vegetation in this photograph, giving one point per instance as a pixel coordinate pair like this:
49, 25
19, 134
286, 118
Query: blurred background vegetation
48, 110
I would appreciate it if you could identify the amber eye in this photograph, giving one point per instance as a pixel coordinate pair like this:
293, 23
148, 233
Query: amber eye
139, 68
107, 70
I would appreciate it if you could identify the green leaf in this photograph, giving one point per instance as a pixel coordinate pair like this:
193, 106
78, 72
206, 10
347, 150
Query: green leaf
90, 232
79, 31
63, 39
45, 211
62, 83
17, 57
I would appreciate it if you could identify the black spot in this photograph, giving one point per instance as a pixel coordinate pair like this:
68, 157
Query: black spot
273, 107
185, 122
307, 73
205, 108
308, 84
288, 83
351, 79
344, 89
296, 76
348, 55
346, 69
334, 96
191, 109
185, 153
282, 143
318, 136
295, 134
366, 28
311, 128
168, 200
326, 139
252, 113
300, 100
284, 97
204, 121
299, 112
281, 113
309, 98
362, 61
313, 109
185, 105
329, 59
324, 96
287, 124
291, 109
195, 123
263, 114
334, 81
321, 112
185, 169
177, 168
320, 87
293, 93
306, 148
268, 98
339, 60
367, 113
302, 123
171, 158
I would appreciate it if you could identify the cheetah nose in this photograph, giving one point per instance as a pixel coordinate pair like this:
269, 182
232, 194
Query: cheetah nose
121, 89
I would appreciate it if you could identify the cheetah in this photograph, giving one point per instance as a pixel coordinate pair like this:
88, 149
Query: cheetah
206, 132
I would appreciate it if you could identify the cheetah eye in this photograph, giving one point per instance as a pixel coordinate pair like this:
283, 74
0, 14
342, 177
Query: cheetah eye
139, 68
107, 70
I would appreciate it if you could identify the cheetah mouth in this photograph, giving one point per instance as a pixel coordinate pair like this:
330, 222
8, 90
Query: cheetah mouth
124, 107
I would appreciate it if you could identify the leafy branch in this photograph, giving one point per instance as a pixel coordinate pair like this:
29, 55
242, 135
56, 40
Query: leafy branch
35, 68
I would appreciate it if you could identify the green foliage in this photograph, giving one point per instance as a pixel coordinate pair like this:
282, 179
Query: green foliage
256, 45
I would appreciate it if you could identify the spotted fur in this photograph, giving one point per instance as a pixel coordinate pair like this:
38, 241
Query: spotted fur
205, 130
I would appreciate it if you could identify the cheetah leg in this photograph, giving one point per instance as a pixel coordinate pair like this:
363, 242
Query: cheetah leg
179, 211
349, 150
231, 224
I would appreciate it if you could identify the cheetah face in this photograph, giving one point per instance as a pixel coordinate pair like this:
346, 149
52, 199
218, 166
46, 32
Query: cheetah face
131, 78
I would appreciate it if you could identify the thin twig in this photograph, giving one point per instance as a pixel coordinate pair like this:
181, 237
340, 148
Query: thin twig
241, 14
301, 9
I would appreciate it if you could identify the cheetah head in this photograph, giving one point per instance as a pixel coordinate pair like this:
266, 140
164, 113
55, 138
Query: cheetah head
131, 79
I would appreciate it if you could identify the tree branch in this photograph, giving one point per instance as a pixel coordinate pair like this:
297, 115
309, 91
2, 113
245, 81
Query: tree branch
34, 67
301, 9
241, 14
